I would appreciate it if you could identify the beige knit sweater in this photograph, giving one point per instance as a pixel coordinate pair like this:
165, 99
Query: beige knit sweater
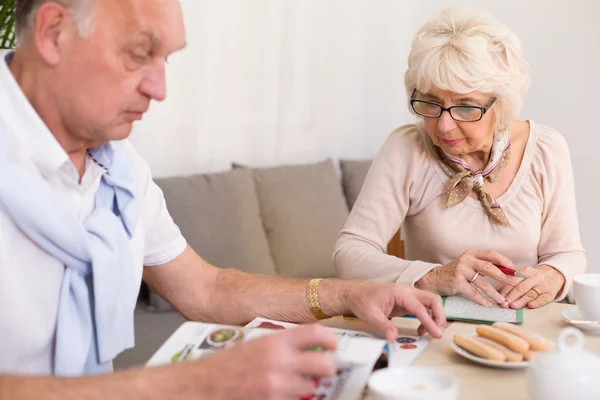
405, 187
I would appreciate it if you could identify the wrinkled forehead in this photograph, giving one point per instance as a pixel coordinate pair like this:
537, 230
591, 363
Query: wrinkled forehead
160, 20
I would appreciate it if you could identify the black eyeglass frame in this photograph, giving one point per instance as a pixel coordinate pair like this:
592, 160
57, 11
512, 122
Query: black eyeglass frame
483, 109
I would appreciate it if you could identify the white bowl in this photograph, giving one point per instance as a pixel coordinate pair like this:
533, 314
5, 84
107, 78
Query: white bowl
413, 383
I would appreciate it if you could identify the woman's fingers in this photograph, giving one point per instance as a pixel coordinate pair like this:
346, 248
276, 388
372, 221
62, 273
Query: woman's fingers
474, 294
488, 269
487, 288
541, 300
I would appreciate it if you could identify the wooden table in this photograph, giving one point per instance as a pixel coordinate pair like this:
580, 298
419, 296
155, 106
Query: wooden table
477, 381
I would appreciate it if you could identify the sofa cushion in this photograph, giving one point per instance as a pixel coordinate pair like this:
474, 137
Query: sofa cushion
354, 173
303, 209
219, 217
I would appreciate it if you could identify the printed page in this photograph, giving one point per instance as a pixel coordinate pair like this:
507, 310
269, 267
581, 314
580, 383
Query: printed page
463, 309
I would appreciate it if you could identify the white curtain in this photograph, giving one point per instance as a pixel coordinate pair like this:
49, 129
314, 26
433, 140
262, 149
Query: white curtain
266, 82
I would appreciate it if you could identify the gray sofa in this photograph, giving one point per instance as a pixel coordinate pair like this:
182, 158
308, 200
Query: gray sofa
275, 221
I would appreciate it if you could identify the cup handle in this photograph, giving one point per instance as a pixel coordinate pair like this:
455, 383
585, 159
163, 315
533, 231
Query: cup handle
565, 334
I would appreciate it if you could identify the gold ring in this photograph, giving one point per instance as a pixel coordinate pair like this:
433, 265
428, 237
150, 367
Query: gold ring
475, 277
537, 291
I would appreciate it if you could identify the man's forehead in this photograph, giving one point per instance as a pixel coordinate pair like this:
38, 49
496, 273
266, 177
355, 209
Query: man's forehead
159, 21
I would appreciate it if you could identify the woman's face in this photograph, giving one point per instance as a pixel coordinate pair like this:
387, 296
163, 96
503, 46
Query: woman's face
456, 137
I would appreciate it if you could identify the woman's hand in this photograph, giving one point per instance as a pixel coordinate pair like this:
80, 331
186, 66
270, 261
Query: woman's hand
466, 274
541, 286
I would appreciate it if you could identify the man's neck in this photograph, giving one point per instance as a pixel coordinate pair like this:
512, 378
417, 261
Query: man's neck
31, 82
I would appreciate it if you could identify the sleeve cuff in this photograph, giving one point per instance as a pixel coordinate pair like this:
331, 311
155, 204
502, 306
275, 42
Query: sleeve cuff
415, 271
167, 253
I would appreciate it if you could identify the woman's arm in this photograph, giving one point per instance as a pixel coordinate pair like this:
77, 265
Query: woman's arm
383, 203
560, 253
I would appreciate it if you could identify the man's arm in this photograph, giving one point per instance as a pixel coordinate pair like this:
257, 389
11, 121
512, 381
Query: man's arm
203, 292
271, 367
152, 383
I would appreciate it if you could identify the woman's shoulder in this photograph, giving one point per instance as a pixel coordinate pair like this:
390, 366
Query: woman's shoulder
551, 146
405, 153
407, 139
409, 133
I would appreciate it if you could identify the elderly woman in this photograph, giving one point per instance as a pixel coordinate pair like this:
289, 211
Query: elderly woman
473, 187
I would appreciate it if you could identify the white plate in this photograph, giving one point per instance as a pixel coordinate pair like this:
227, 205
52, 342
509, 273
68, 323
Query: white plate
489, 363
573, 314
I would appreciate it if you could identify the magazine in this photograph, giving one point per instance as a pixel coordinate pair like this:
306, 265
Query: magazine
357, 355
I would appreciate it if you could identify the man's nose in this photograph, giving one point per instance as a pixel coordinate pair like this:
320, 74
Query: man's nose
154, 83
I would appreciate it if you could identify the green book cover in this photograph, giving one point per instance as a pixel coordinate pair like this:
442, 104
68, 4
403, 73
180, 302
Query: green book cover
460, 308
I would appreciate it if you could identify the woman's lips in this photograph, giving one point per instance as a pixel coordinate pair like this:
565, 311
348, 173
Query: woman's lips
452, 142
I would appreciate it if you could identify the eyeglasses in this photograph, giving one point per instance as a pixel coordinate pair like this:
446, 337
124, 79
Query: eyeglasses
458, 113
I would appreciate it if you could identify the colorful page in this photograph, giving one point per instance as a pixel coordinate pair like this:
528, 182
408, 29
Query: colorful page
356, 355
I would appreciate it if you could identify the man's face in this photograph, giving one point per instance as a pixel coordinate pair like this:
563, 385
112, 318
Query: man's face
106, 81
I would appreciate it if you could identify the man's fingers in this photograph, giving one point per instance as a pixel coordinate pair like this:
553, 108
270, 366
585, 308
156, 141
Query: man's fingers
434, 303
414, 306
383, 324
298, 386
493, 257
309, 336
314, 363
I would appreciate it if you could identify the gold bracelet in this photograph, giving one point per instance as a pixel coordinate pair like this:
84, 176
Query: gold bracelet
312, 295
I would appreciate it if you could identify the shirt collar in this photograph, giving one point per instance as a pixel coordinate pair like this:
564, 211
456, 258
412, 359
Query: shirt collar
23, 121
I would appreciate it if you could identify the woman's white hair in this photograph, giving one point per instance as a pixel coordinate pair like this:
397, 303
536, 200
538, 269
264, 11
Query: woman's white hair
26, 12
462, 52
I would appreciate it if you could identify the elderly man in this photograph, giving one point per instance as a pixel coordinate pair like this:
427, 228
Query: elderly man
81, 221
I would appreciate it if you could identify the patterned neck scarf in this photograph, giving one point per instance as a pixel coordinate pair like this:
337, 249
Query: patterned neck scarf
463, 180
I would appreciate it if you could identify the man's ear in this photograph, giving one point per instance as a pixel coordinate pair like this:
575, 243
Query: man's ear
52, 25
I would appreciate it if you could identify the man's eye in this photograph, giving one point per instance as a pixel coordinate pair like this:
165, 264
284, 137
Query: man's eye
140, 58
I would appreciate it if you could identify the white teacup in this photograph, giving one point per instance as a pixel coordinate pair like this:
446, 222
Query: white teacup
587, 295
414, 383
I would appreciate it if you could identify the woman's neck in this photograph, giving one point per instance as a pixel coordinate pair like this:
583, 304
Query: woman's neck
479, 159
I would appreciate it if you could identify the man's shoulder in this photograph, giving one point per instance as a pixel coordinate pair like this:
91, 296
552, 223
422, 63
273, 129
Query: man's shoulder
138, 166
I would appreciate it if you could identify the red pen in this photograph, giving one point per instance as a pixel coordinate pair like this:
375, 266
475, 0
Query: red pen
511, 272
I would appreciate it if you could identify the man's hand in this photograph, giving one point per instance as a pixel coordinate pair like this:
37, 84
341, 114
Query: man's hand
276, 366
376, 303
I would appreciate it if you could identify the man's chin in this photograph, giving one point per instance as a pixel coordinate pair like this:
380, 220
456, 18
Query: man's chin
121, 132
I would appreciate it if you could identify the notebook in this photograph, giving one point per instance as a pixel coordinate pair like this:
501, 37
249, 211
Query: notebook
460, 308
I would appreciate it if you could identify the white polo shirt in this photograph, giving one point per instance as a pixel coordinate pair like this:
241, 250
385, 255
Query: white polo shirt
30, 278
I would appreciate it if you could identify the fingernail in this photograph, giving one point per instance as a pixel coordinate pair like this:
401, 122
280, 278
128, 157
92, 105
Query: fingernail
502, 300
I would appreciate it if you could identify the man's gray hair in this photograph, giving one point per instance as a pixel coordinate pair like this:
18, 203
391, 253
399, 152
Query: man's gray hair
27, 10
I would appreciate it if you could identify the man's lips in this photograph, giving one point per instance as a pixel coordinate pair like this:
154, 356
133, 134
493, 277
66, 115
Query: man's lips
135, 115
